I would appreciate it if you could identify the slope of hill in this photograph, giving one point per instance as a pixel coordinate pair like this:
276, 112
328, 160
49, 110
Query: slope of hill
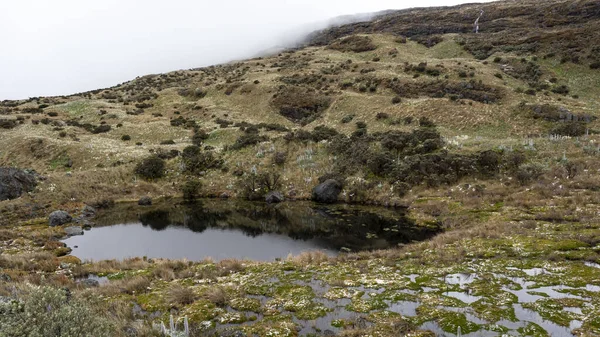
490, 134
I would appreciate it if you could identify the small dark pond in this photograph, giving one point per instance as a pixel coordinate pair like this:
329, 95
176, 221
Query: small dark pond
223, 229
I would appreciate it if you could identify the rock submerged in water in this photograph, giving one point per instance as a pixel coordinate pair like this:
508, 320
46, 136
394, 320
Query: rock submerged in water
58, 218
14, 182
327, 192
145, 201
89, 283
274, 197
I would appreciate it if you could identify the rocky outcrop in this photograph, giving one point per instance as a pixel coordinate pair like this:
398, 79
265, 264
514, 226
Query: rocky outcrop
327, 192
58, 218
274, 197
14, 182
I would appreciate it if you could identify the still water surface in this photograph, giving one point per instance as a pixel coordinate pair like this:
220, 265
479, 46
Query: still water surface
231, 229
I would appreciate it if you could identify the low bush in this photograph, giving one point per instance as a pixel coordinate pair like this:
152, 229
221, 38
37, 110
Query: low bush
101, 129
250, 137
151, 167
197, 161
199, 137
279, 158
46, 311
571, 129
323, 133
190, 190
126, 138
254, 186
299, 104
354, 43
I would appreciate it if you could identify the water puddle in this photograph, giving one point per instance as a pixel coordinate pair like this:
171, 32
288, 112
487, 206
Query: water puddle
554, 330
404, 308
460, 279
464, 297
535, 271
231, 229
592, 264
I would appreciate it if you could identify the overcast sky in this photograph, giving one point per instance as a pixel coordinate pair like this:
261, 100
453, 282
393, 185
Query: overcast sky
56, 47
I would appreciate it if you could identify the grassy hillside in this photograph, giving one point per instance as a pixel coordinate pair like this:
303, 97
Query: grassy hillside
495, 136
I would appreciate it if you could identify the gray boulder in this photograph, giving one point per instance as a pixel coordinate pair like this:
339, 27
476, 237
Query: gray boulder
274, 197
74, 230
88, 211
58, 218
145, 201
14, 182
327, 192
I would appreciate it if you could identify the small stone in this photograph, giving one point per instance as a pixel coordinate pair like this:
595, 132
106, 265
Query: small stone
88, 211
73, 231
58, 218
145, 201
89, 283
274, 197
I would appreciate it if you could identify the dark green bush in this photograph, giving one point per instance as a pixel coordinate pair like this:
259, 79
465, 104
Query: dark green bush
561, 89
323, 133
248, 139
571, 129
528, 173
354, 43
190, 190
101, 129
426, 122
279, 158
254, 186
199, 137
151, 167
347, 119
197, 161
125, 137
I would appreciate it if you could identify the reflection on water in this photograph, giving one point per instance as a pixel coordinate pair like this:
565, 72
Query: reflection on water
232, 229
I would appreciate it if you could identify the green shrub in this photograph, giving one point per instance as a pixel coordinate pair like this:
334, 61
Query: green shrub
426, 122
151, 167
571, 129
347, 119
197, 161
561, 90
248, 139
354, 43
323, 133
279, 158
254, 186
101, 129
199, 137
299, 104
125, 137
190, 190
46, 311
528, 172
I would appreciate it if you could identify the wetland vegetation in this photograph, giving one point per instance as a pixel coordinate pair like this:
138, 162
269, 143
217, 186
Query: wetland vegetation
458, 175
